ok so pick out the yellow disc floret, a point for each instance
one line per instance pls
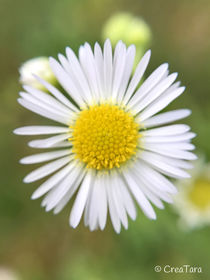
(200, 194)
(104, 136)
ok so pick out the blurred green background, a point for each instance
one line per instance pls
(40, 246)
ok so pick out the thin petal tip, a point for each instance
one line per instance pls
(17, 131)
(26, 180)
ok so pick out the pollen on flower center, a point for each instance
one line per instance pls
(104, 136)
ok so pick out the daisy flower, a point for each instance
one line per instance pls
(110, 151)
(192, 202)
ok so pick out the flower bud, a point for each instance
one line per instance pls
(128, 28)
(41, 68)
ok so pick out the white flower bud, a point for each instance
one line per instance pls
(40, 67)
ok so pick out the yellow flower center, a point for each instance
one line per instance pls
(104, 136)
(200, 194)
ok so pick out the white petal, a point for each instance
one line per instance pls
(46, 170)
(87, 207)
(49, 142)
(87, 210)
(94, 206)
(174, 153)
(169, 139)
(167, 130)
(63, 188)
(170, 146)
(149, 185)
(118, 71)
(130, 56)
(127, 200)
(149, 189)
(71, 192)
(46, 98)
(152, 197)
(55, 92)
(167, 117)
(152, 183)
(148, 84)
(177, 162)
(155, 179)
(117, 50)
(40, 130)
(80, 201)
(78, 72)
(61, 144)
(87, 61)
(95, 75)
(163, 164)
(68, 68)
(75, 78)
(99, 61)
(108, 68)
(155, 196)
(118, 200)
(44, 157)
(45, 106)
(102, 215)
(52, 181)
(140, 69)
(143, 102)
(96, 209)
(163, 196)
(112, 208)
(40, 111)
(66, 81)
(139, 196)
(160, 104)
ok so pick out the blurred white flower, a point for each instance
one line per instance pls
(40, 67)
(192, 202)
(7, 274)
